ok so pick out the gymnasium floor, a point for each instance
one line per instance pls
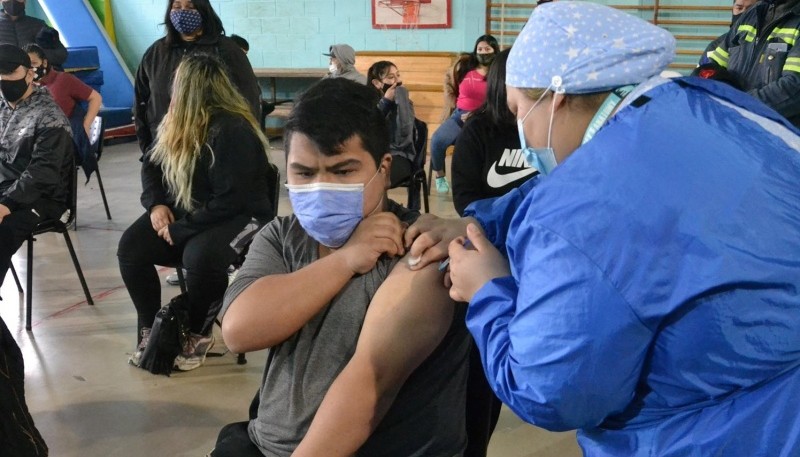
(87, 401)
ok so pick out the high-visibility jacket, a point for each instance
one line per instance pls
(654, 296)
(764, 58)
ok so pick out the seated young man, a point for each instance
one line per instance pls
(366, 356)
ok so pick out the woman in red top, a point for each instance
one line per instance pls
(68, 91)
(470, 81)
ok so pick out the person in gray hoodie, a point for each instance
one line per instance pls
(342, 63)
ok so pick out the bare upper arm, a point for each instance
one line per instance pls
(407, 319)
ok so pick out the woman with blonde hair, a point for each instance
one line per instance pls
(203, 181)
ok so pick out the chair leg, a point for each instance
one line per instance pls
(430, 177)
(78, 268)
(102, 192)
(181, 279)
(426, 190)
(16, 277)
(29, 283)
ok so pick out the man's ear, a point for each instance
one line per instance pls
(385, 168)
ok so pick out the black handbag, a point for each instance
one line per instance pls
(167, 337)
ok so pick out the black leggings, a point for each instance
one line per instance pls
(206, 257)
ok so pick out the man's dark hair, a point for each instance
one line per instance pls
(212, 24)
(334, 110)
(241, 42)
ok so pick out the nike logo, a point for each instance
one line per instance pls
(496, 180)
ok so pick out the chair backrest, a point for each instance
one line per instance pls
(96, 136)
(420, 144)
(275, 179)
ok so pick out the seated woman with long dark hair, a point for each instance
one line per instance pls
(203, 181)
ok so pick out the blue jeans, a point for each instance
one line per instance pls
(444, 137)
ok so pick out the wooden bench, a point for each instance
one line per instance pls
(422, 74)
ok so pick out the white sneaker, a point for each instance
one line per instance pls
(194, 352)
(137, 355)
(172, 279)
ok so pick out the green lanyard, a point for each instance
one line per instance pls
(609, 105)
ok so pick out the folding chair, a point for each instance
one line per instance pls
(56, 226)
(417, 180)
(96, 145)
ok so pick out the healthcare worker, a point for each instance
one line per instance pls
(644, 288)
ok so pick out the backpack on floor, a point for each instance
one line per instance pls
(167, 336)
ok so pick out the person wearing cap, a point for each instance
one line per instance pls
(644, 288)
(36, 157)
(19, 29)
(760, 51)
(342, 63)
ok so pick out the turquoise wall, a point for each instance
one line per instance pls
(295, 33)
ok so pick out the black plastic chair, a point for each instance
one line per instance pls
(96, 144)
(417, 180)
(55, 226)
(275, 175)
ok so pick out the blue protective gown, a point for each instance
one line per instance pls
(654, 301)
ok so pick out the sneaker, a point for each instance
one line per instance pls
(194, 352)
(172, 279)
(137, 356)
(442, 186)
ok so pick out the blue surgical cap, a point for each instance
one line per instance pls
(581, 47)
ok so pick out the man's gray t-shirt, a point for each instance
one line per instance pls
(427, 417)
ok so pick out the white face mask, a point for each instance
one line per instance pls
(333, 68)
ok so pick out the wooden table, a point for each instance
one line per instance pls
(285, 73)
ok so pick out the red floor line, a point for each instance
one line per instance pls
(96, 297)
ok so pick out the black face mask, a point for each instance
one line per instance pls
(41, 71)
(13, 90)
(14, 8)
(735, 18)
(485, 59)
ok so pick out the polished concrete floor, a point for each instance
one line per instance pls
(87, 401)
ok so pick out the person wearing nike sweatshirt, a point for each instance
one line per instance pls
(488, 161)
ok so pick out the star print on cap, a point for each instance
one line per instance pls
(186, 21)
(580, 47)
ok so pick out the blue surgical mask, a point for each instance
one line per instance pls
(186, 22)
(542, 159)
(329, 212)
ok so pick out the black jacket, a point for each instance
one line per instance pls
(153, 85)
(487, 162)
(36, 152)
(24, 31)
(231, 179)
(760, 52)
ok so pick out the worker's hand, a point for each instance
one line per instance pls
(378, 234)
(471, 268)
(429, 238)
(4, 211)
(160, 217)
